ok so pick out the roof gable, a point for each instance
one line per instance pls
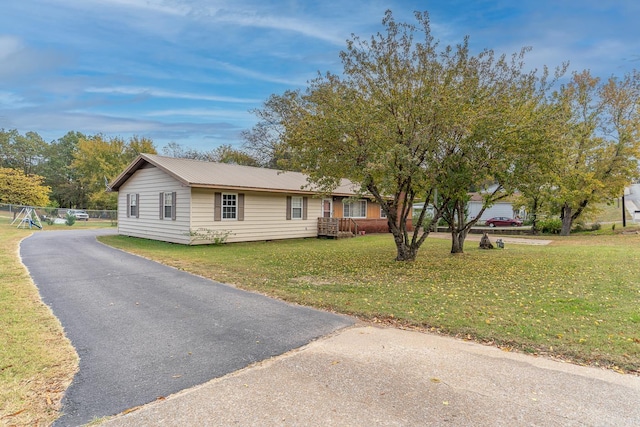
(197, 173)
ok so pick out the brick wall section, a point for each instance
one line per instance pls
(377, 225)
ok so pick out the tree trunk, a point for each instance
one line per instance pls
(567, 220)
(459, 228)
(534, 217)
(457, 241)
(406, 253)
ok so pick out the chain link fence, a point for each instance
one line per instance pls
(52, 214)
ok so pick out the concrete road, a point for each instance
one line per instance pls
(367, 376)
(144, 331)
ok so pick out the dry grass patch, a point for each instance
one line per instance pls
(37, 362)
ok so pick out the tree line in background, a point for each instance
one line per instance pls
(74, 170)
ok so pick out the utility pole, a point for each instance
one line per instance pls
(624, 216)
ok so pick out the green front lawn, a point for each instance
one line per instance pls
(577, 299)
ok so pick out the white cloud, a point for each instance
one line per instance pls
(307, 28)
(157, 6)
(9, 45)
(12, 100)
(162, 93)
(203, 113)
(156, 66)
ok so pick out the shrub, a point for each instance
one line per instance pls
(214, 237)
(70, 220)
(550, 225)
(426, 221)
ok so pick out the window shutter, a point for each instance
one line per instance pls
(137, 205)
(305, 203)
(241, 207)
(217, 207)
(288, 207)
(174, 206)
(128, 205)
(161, 205)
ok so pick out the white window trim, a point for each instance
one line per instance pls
(300, 200)
(132, 203)
(352, 203)
(235, 207)
(165, 205)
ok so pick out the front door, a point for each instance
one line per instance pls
(327, 205)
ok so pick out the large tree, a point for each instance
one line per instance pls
(407, 118)
(18, 188)
(25, 152)
(600, 145)
(98, 160)
(265, 141)
(495, 111)
(59, 174)
(222, 154)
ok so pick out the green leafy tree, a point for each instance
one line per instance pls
(536, 156)
(227, 154)
(222, 154)
(25, 152)
(265, 141)
(98, 160)
(407, 118)
(600, 145)
(59, 173)
(494, 112)
(18, 188)
(7, 140)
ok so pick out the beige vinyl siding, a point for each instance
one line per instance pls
(264, 217)
(148, 183)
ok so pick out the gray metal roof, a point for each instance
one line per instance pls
(196, 173)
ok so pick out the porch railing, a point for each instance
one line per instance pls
(337, 227)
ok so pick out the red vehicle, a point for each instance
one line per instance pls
(503, 221)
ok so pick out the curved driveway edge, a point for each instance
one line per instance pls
(367, 376)
(144, 331)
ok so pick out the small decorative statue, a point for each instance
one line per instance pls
(485, 243)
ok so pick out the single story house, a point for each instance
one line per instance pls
(190, 202)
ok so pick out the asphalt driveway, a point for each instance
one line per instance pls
(144, 330)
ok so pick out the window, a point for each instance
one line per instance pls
(296, 207)
(168, 205)
(229, 206)
(132, 202)
(355, 209)
(383, 214)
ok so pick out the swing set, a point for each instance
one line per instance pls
(27, 218)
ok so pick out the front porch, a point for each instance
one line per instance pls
(337, 228)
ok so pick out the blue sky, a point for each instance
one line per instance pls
(189, 71)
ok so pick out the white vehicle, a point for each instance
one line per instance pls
(79, 214)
